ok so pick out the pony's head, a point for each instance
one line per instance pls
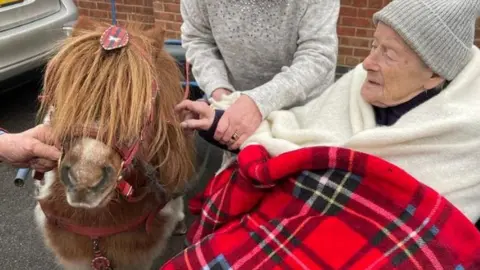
(102, 104)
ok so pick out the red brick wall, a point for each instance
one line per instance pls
(135, 10)
(355, 27)
(167, 14)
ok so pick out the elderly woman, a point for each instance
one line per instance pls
(380, 171)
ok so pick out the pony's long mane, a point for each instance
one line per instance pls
(114, 89)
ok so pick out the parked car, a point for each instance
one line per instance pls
(29, 30)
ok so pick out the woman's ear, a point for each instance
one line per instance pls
(434, 81)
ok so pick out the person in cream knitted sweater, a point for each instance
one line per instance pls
(414, 101)
(278, 53)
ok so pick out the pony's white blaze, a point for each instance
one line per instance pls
(93, 150)
(90, 153)
(86, 172)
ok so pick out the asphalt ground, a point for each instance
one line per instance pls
(21, 246)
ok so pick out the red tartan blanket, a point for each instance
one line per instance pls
(324, 208)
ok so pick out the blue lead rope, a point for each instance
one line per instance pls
(114, 13)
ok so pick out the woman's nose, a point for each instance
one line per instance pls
(370, 63)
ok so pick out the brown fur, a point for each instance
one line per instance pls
(87, 84)
(113, 89)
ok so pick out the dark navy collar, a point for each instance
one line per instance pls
(390, 115)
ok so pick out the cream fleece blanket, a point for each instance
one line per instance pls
(437, 142)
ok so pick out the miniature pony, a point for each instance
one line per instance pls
(115, 198)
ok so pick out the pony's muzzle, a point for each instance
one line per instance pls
(70, 181)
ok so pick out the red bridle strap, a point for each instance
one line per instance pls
(187, 81)
(98, 232)
(125, 188)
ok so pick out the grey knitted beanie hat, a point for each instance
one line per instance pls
(441, 32)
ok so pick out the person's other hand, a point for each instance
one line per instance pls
(238, 122)
(196, 114)
(31, 148)
(218, 93)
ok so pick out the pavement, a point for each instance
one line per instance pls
(21, 246)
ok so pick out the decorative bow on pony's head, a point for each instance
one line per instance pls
(114, 37)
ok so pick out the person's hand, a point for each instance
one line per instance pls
(30, 149)
(196, 114)
(218, 93)
(238, 122)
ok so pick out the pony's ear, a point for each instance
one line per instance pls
(157, 33)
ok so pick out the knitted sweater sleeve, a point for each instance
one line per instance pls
(313, 66)
(200, 47)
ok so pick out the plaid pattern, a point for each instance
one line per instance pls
(324, 208)
(114, 37)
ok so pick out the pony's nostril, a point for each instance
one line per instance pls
(106, 173)
(66, 176)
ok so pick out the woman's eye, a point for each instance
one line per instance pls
(390, 55)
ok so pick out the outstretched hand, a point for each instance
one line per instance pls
(196, 115)
(31, 148)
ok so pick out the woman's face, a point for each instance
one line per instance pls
(395, 73)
